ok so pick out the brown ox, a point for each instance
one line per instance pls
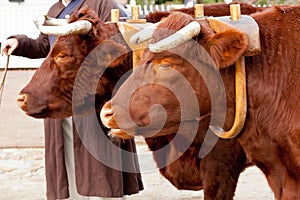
(270, 136)
(49, 94)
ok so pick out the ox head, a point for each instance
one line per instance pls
(167, 73)
(51, 89)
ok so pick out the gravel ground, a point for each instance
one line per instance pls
(22, 177)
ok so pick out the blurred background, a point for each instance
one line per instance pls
(16, 17)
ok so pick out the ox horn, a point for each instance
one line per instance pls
(55, 22)
(178, 38)
(79, 27)
(144, 35)
(241, 103)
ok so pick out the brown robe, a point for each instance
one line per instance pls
(93, 178)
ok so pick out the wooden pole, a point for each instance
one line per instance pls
(199, 11)
(114, 15)
(135, 12)
(135, 15)
(235, 12)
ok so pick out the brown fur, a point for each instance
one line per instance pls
(271, 133)
(221, 9)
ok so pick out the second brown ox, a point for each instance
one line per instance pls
(271, 133)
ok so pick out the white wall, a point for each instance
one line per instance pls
(17, 18)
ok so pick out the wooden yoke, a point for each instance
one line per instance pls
(243, 23)
(249, 26)
(127, 30)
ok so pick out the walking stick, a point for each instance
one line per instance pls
(3, 79)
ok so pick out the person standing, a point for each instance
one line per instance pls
(71, 171)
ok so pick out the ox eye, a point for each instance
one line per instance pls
(165, 72)
(164, 67)
(61, 58)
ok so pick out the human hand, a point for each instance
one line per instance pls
(8, 46)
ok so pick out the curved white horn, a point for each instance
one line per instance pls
(178, 38)
(144, 35)
(55, 22)
(79, 27)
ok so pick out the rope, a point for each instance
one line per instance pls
(3, 79)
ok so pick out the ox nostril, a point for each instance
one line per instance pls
(22, 100)
(106, 115)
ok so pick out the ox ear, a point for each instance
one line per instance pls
(226, 47)
(112, 53)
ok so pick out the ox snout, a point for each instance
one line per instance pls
(22, 101)
(107, 116)
(30, 106)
